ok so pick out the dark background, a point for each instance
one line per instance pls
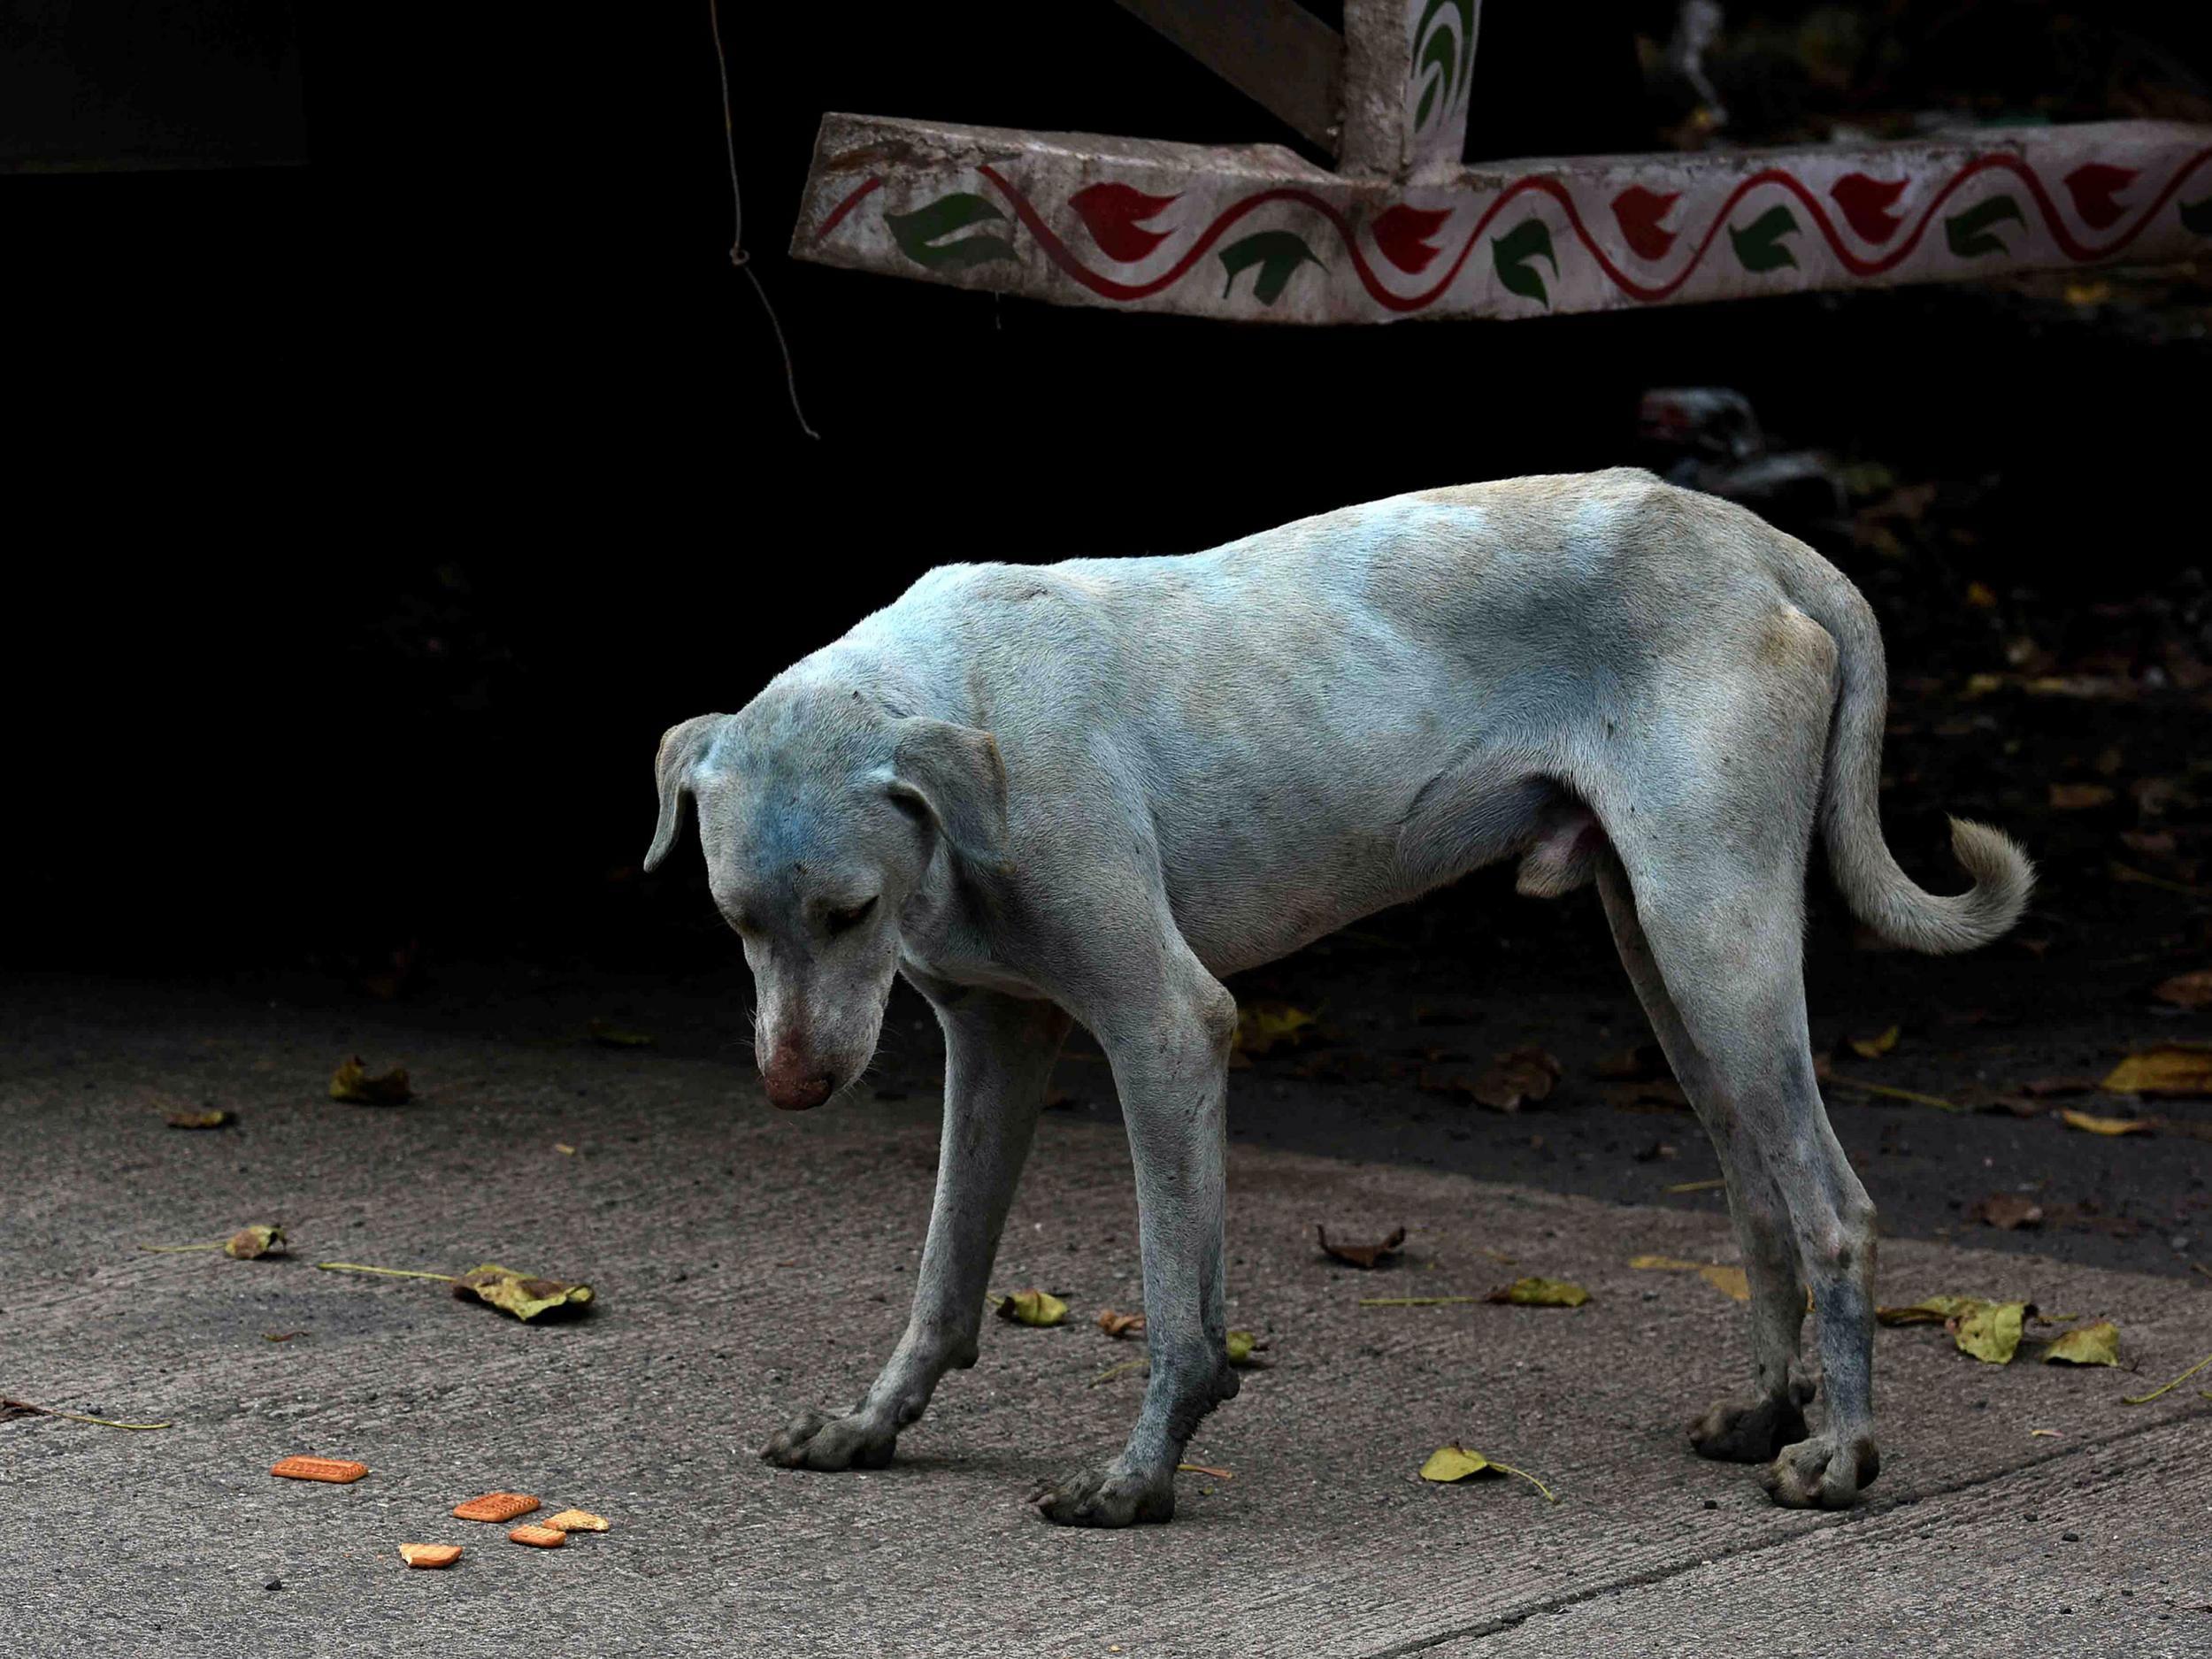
(390, 476)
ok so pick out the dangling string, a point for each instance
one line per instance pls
(739, 257)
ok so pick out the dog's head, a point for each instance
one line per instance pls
(828, 825)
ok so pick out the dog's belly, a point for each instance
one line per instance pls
(1248, 888)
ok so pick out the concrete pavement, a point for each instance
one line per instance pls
(749, 1263)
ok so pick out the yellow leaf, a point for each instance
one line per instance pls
(1242, 1344)
(2171, 1068)
(1541, 1292)
(522, 1294)
(1981, 595)
(1261, 1025)
(1875, 1047)
(352, 1084)
(2097, 1126)
(1663, 1265)
(1454, 1462)
(1730, 1281)
(2096, 1344)
(615, 1037)
(249, 1244)
(1033, 1307)
(202, 1120)
(2187, 990)
(1991, 1334)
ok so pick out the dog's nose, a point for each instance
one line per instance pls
(800, 1093)
(796, 1080)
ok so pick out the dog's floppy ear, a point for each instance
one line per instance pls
(952, 775)
(682, 747)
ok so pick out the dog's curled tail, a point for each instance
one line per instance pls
(1880, 893)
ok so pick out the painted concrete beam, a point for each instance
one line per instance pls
(1257, 234)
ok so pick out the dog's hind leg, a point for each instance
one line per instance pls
(1752, 1429)
(1714, 854)
(999, 1052)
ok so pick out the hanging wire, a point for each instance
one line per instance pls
(739, 257)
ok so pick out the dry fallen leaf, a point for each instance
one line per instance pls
(1454, 1462)
(1116, 1324)
(2094, 1124)
(1664, 1264)
(1991, 1334)
(352, 1084)
(2080, 797)
(615, 1037)
(1646, 1063)
(1516, 1078)
(524, 1296)
(1241, 1346)
(1263, 1025)
(250, 1244)
(1033, 1307)
(2096, 1344)
(2008, 1211)
(202, 1120)
(1362, 1255)
(1875, 1047)
(2172, 1068)
(2187, 990)
(1730, 1281)
(1930, 1310)
(1541, 1293)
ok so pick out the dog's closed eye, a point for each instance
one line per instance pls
(845, 920)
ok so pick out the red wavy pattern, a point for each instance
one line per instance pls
(1113, 288)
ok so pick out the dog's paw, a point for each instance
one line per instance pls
(1816, 1474)
(813, 1440)
(1106, 1497)
(1751, 1431)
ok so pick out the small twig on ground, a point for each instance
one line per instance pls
(1713, 1185)
(75, 1416)
(1890, 1091)
(1412, 1301)
(1206, 1469)
(2144, 1400)
(1112, 1371)
(388, 1273)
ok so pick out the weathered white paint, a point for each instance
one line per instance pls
(1408, 68)
(1076, 219)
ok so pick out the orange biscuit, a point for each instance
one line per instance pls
(538, 1536)
(576, 1521)
(495, 1506)
(430, 1554)
(338, 1471)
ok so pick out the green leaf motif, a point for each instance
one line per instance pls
(1515, 255)
(920, 235)
(1277, 253)
(2197, 217)
(1759, 244)
(1971, 233)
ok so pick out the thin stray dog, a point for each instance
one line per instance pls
(1088, 791)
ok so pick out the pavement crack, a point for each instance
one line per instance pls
(1864, 1515)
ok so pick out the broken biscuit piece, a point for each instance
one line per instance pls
(430, 1554)
(538, 1536)
(339, 1471)
(495, 1506)
(576, 1521)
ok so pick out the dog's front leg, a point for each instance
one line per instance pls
(1171, 1066)
(999, 1052)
